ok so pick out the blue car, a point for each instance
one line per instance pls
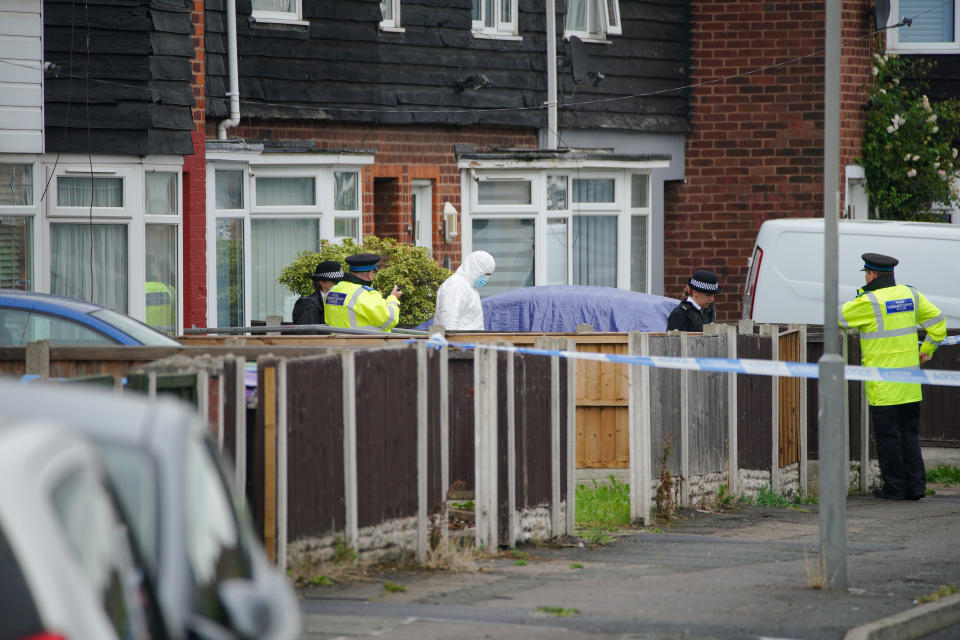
(27, 316)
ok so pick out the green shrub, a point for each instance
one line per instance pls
(410, 267)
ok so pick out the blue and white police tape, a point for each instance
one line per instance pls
(950, 340)
(731, 365)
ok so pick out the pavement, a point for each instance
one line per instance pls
(745, 573)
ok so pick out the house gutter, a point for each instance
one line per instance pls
(553, 133)
(232, 64)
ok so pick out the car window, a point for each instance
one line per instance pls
(97, 539)
(135, 329)
(135, 477)
(19, 327)
(18, 613)
(214, 547)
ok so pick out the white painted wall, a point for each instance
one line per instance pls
(21, 76)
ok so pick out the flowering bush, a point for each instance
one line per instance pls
(908, 160)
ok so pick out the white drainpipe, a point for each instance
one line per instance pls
(553, 127)
(232, 64)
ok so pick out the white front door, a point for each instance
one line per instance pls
(423, 214)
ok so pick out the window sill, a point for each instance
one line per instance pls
(489, 35)
(288, 21)
(586, 37)
(949, 49)
(391, 29)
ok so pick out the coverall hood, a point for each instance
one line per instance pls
(476, 264)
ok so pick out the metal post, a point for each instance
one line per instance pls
(833, 486)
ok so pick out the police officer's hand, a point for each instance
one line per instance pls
(396, 292)
(925, 357)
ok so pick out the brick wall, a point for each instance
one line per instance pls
(194, 191)
(756, 147)
(403, 154)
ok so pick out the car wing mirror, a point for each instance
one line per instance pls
(247, 609)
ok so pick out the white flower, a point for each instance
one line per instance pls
(876, 56)
(896, 81)
(936, 165)
(926, 103)
(906, 158)
(915, 158)
(941, 172)
(932, 118)
(954, 151)
(935, 129)
(890, 129)
(874, 71)
(911, 173)
(883, 91)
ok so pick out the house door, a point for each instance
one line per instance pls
(422, 231)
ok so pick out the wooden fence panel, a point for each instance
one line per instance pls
(754, 407)
(436, 493)
(386, 435)
(789, 401)
(814, 353)
(315, 493)
(602, 409)
(532, 375)
(939, 425)
(460, 377)
(231, 371)
(665, 407)
(707, 407)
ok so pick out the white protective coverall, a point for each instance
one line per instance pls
(458, 302)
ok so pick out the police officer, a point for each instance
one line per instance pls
(309, 309)
(353, 303)
(887, 315)
(697, 310)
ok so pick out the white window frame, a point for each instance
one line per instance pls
(132, 215)
(281, 17)
(31, 211)
(609, 21)
(499, 28)
(251, 164)
(621, 172)
(393, 22)
(893, 35)
(646, 213)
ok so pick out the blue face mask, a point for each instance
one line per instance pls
(482, 280)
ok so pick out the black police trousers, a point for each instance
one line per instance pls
(895, 428)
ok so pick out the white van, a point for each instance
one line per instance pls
(785, 277)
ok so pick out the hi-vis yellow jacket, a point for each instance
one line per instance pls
(357, 306)
(888, 318)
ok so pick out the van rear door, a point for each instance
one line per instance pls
(750, 288)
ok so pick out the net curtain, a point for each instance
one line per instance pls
(89, 262)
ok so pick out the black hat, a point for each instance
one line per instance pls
(328, 270)
(878, 262)
(363, 261)
(704, 280)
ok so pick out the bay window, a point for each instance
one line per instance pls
(264, 211)
(107, 229)
(549, 222)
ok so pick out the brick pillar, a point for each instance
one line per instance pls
(195, 191)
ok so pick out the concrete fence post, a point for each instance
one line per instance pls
(349, 390)
(733, 433)
(485, 443)
(422, 462)
(639, 430)
(444, 422)
(512, 529)
(38, 359)
(240, 428)
(684, 424)
(571, 426)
